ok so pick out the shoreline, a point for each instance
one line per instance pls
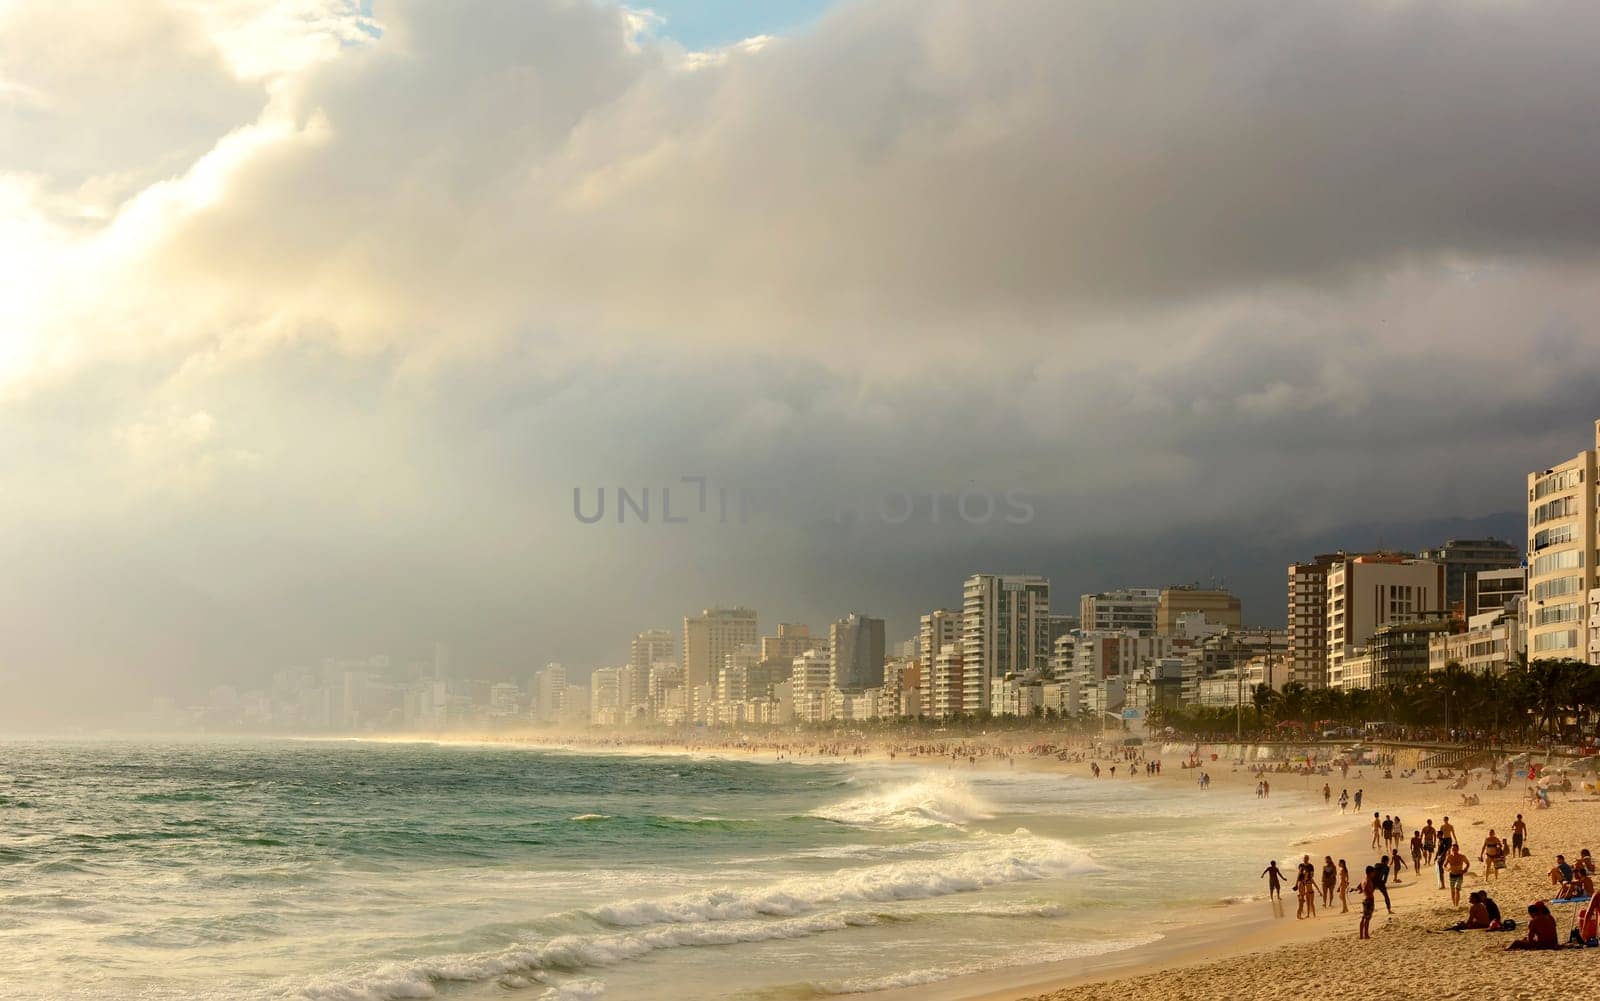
(1247, 950)
(1193, 935)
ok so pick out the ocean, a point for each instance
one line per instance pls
(367, 871)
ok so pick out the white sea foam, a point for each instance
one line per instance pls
(567, 953)
(1009, 859)
(933, 800)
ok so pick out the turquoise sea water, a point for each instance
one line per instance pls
(346, 870)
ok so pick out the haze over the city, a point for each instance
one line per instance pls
(312, 322)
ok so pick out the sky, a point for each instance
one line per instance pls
(315, 315)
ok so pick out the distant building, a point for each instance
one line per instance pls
(1128, 608)
(651, 646)
(1463, 558)
(1562, 552)
(941, 630)
(948, 688)
(856, 645)
(1308, 620)
(1218, 606)
(792, 640)
(1493, 590)
(809, 685)
(708, 638)
(1494, 641)
(550, 693)
(1005, 621)
(1366, 593)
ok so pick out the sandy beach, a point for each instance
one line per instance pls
(1259, 952)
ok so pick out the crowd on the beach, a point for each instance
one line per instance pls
(1440, 847)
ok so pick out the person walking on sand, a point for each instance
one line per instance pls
(1368, 888)
(1380, 874)
(1377, 829)
(1344, 888)
(1358, 799)
(1458, 864)
(1327, 793)
(1395, 864)
(1274, 880)
(1492, 855)
(1519, 836)
(1416, 853)
(1388, 831)
(1330, 879)
(1428, 837)
(1344, 799)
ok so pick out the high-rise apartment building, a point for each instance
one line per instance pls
(810, 684)
(1005, 630)
(650, 646)
(1127, 608)
(1368, 592)
(948, 687)
(1562, 551)
(1218, 606)
(709, 637)
(550, 693)
(1463, 558)
(941, 630)
(1308, 620)
(857, 647)
(740, 677)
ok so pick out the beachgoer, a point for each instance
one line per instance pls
(1458, 864)
(1368, 888)
(1274, 880)
(1542, 933)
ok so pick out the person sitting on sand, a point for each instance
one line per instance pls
(1542, 932)
(1561, 872)
(1477, 914)
(1580, 885)
(1274, 880)
(1493, 909)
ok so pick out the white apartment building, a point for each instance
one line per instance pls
(941, 630)
(1562, 551)
(809, 684)
(948, 688)
(605, 696)
(1005, 630)
(739, 665)
(1371, 591)
(1491, 644)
